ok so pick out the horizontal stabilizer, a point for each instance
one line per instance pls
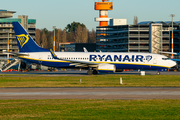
(4, 58)
(17, 54)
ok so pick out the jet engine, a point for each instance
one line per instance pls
(106, 68)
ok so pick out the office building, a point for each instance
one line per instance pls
(77, 47)
(144, 37)
(7, 35)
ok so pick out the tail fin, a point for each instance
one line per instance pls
(24, 40)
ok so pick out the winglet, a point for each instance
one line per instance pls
(53, 54)
(85, 50)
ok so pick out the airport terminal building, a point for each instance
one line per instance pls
(144, 37)
(7, 31)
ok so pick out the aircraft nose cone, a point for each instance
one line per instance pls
(173, 63)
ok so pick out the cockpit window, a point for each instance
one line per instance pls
(164, 58)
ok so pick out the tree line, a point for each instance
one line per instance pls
(74, 32)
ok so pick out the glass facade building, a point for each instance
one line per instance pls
(147, 36)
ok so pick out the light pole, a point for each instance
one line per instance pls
(8, 48)
(172, 43)
(54, 27)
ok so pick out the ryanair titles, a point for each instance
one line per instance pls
(120, 58)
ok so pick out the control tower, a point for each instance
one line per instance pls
(103, 8)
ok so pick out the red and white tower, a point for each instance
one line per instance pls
(103, 8)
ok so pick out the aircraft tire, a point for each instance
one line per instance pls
(89, 72)
(95, 72)
(158, 73)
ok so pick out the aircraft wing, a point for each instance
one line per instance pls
(169, 53)
(75, 63)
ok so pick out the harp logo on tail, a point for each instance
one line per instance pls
(23, 39)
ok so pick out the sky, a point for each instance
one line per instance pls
(60, 13)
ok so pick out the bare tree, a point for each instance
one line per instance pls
(78, 34)
(38, 37)
(44, 40)
(58, 38)
(92, 36)
(64, 36)
(135, 22)
(84, 35)
(59, 35)
(81, 34)
(70, 37)
(50, 38)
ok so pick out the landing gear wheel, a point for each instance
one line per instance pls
(158, 73)
(95, 72)
(89, 72)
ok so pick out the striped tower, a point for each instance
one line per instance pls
(54, 27)
(172, 44)
(103, 8)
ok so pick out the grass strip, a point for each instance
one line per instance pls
(91, 81)
(90, 109)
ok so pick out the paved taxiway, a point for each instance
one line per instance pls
(129, 93)
(84, 73)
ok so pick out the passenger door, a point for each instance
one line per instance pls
(40, 59)
(154, 60)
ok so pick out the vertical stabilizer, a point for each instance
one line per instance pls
(24, 40)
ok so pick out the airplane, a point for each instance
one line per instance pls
(94, 62)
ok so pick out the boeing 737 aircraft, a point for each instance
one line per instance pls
(93, 61)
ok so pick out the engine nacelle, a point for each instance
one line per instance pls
(106, 68)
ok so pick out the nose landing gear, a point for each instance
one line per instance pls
(158, 73)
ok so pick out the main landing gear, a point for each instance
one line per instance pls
(90, 72)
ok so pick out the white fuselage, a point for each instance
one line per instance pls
(120, 60)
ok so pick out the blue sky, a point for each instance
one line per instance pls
(59, 13)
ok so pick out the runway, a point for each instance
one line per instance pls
(124, 93)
